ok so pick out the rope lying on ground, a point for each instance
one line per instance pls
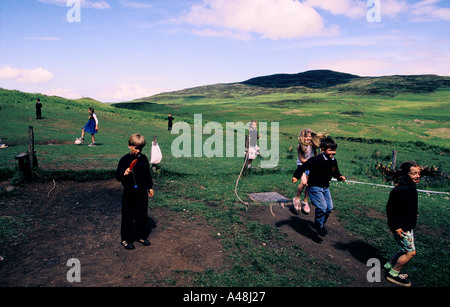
(54, 186)
(237, 181)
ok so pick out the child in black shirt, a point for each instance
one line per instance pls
(321, 168)
(401, 211)
(133, 172)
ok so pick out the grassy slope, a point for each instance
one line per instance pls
(414, 122)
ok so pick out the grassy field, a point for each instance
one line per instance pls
(368, 118)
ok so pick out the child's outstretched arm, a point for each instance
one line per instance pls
(337, 174)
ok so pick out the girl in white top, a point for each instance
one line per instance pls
(91, 126)
(308, 143)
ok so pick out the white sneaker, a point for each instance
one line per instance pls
(305, 207)
(296, 202)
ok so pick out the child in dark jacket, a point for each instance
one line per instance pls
(321, 168)
(133, 172)
(401, 211)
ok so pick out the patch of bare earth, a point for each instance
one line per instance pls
(82, 220)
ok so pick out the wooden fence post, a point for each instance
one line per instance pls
(31, 148)
(394, 160)
(154, 142)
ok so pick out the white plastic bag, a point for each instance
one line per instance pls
(156, 154)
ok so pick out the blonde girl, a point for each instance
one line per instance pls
(308, 143)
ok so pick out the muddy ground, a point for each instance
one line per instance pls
(82, 220)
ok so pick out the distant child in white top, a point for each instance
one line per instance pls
(308, 143)
(253, 148)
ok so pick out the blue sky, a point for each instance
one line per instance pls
(119, 50)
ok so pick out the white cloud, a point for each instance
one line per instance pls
(426, 3)
(428, 10)
(290, 19)
(348, 8)
(414, 60)
(99, 4)
(135, 5)
(357, 9)
(43, 38)
(124, 92)
(29, 76)
(222, 33)
(392, 8)
(66, 93)
(272, 19)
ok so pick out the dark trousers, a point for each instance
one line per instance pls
(38, 114)
(134, 215)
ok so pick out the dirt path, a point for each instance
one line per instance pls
(338, 247)
(82, 220)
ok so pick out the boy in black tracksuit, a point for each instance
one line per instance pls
(321, 168)
(137, 182)
(401, 211)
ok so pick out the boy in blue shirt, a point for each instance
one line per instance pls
(321, 168)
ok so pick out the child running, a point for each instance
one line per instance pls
(133, 172)
(401, 211)
(308, 143)
(91, 126)
(322, 168)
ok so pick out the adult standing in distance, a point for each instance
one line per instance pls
(38, 109)
(170, 122)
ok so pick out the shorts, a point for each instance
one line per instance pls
(405, 241)
(305, 172)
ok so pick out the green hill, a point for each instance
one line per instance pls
(347, 83)
(392, 108)
(369, 117)
(311, 79)
(310, 82)
(62, 122)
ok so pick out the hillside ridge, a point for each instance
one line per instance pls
(313, 79)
